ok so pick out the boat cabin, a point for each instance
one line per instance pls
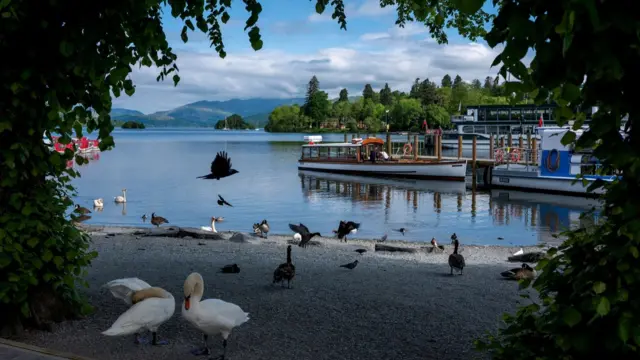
(355, 151)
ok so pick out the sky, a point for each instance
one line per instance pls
(298, 43)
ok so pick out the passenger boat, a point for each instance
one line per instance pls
(551, 168)
(359, 157)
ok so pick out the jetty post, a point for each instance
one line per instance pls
(502, 141)
(439, 146)
(491, 144)
(345, 137)
(459, 146)
(473, 159)
(415, 147)
(510, 140)
(389, 144)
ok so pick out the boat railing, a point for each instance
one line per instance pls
(524, 158)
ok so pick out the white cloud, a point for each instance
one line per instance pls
(372, 8)
(393, 57)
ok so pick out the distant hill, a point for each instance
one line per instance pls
(207, 113)
(258, 120)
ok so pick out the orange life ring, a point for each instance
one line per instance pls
(515, 155)
(499, 155)
(407, 149)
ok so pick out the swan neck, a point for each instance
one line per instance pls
(213, 225)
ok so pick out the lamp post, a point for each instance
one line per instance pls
(386, 112)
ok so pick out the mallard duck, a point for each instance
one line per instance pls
(456, 260)
(345, 228)
(523, 272)
(285, 271)
(435, 245)
(261, 229)
(158, 220)
(304, 233)
(81, 210)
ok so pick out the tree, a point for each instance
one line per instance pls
(415, 89)
(428, 93)
(488, 83)
(367, 93)
(405, 113)
(234, 121)
(132, 125)
(476, 84)
(385, 95)
(457, 82)
(318, 107)
(342, 111)
(312, 88)
(437, 116)
(344, 95)
(285, 119)
(446, 81)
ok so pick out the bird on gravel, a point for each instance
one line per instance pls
(261, 229)
(523, 272)
(222, 201)
(82, 210)
(79, 219)
(345, 228)
(383, 238)
(220, 167)
(361, 251)
(158, 220)
(350, 266)
(304, 233)
(402, 230)
(435, 245)
(285, 271)
(456, 260)
(230, 269)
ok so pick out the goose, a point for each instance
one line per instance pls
(79, 219)
(350, 266)
(158, 220)
(98, 202)
(285, 271)
(345, 228)
(121, 199)
(261, 228)
(523, 272)
(435, 245)
(305, 235)
(211, 316)
(220, 167)
(150, 308)
(211, 228)
(81, 210)
(456, 260)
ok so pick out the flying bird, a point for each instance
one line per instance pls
(383, 238)
(304, 233)
(347, 227)
(350, 266)
(220, 167)
(402, 230)
(222, 201)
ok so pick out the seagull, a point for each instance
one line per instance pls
(345, 228)
(220, 167)
(304, 233)
(222, 201)
(402, 230)
(350, 266)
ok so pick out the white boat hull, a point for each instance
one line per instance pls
(449, 170)
(546, 184)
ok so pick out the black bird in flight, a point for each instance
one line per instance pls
(402, 230)
(383, 238)
(222, 201)
(347, 227)
(350, 266)
(304, 234)
(220, 167)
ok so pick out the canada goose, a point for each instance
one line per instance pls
(261, 228)
(79, 219)
(98, 202)
(350, 266)
(158, 220)
(211, 316)
(523, 272)
(82, 210)
(220, 167)
(121, 199)
(456, 260)
(347, 227)
(304, 233)
(222, 201)
(285, 271)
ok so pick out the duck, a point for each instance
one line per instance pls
(211, 228)
(121, 198)
(98, 202)
(285, 271)
(150, 308)
(456, 260)
(345, 228)
(158, 220)
(81, 210)
(210, 316)
(304, 232)
(435, 245)
(220, 167)
(523, 272)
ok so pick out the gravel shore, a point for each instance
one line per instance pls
(392, 306)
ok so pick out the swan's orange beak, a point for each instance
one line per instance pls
(187, 303)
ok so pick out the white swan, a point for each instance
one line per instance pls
(98, 202)
(152, 306)
(211, 228)
(297, 237)
(211, 316)
(121, 199)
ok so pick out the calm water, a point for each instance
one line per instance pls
(158, 167)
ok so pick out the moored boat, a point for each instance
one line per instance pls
(367, 158)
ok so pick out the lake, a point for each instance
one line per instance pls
(159, 166)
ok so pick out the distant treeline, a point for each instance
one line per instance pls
(132, 125)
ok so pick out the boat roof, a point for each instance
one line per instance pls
(333, 145)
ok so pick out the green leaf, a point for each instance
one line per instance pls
(66, 48)
(571, 316)
(14, 278)
(469, 7)
(47, 256)
(5, 260)
(24, 309)
(32, 242)
(58, 260)
(599, 287)
(624, 329)
(634, 251)
(603, 307)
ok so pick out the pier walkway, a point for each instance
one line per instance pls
(13, 350)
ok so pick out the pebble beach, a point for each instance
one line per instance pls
(391, 306)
